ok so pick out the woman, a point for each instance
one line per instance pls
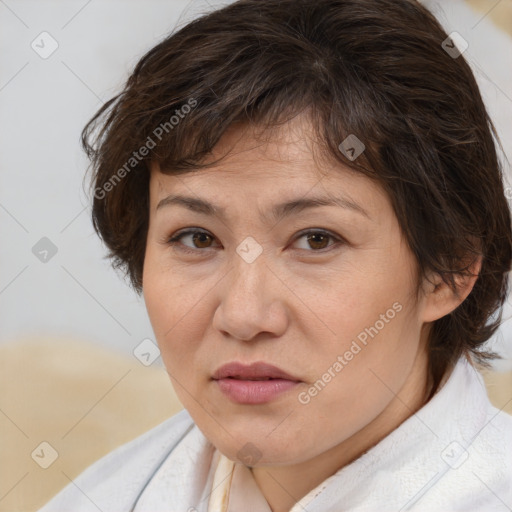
(308, 196)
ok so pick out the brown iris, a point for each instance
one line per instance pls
(317, 238)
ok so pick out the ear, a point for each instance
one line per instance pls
(440, 298)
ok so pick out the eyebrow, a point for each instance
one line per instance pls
(278, 212)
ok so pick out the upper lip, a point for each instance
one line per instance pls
(259, 370)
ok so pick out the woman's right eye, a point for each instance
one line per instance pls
(198, 239)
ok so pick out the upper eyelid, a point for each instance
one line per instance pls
(180, 234)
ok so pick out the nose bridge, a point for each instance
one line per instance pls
(247, 304)
(249, 275)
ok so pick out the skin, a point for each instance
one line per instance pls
(298, 305)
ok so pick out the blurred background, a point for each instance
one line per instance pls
(77, 353)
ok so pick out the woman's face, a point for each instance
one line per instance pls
(325, 293)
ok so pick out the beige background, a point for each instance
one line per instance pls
(500, 12)
(81, 399)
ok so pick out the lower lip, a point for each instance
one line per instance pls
(254, 391)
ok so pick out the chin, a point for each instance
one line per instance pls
(260, 450)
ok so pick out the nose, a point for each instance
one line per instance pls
(252, 300)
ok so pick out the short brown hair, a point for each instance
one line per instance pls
(377, 69)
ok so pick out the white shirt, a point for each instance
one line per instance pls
(454, 454)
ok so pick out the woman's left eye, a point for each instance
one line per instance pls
(315, 239)
(319, 239)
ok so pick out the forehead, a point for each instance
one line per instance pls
(253, 164)
(285, 149)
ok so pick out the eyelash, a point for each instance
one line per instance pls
(173, 241)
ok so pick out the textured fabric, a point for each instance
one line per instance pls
(454, 454)
(244, 492)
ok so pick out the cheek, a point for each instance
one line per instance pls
(356, 381)
(168, 308)
(364, 304)
(174, 332)
(373, 337)
(167, 295)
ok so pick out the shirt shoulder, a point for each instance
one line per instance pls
(475, 467)
(118, 478)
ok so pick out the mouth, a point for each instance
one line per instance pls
(253, 372)
(239, 377)
(253, 384)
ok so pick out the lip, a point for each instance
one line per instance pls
(258, 370)
(256, 383)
